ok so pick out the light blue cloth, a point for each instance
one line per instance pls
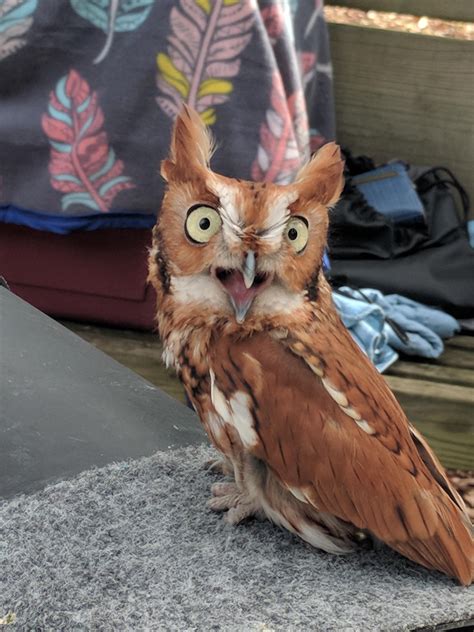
(424, 327)
(366, 324)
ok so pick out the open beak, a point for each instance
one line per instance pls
(243, 285)
(241, 309)
(249, 269)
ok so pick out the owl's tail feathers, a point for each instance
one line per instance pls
(288, 508)
(450, 547)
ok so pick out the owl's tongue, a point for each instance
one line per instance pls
(234, 284)
(240, 296)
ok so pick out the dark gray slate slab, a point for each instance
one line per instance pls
(66, 406)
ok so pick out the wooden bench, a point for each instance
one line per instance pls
(438, 396)
(406, 95)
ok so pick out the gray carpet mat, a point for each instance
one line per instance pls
(132, 546)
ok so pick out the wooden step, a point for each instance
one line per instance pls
(437, 396)
(433, 373)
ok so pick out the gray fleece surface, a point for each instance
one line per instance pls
(132, 546)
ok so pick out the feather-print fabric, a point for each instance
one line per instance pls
(243, 64)
(113, 16)
(16, 18)
(203, 54)
(284, 134)
(315, 67)
(278, 156)
(82, 164)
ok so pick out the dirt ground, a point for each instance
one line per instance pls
(400, 22)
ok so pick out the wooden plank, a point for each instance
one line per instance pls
(461, 342)
(435, 391)
(405, 95)
(432, 373)
(110, 345)
(453, 453)
(460, 10)
(442, 413)
(441, 410)
(110, 335)
(454, 357)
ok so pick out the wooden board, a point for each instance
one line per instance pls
(443, 413)
(461, 342)
(403, 95)
(434, 373)
(460, 10)
(438, 396)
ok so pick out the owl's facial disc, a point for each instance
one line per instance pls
(242, 286)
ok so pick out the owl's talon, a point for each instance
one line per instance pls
(219, 466)
(237, 505)
(224, 489)
(223, 503)
(241, 511)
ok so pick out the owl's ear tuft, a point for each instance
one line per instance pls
(166, 169)
(191, 148)
(322, 178)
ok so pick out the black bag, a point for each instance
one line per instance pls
(431, 262)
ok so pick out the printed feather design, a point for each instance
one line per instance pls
(299, 117)
(307, 64)
(113, 16)
(279, 155)
(15, 21)
(274, 21)
(82, 164)
(206, 40)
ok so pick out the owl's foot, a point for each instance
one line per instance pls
(236, 504)
(219, 465)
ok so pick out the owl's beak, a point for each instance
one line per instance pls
(241, 309)
(242, 285)
(248, 271)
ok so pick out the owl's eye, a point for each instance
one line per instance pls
(297, 233)
(202, 223)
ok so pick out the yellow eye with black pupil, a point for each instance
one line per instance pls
(202, 223)
(297, 233)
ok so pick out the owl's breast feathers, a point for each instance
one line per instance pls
(312, 407)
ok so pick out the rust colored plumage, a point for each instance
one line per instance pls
(312, 434)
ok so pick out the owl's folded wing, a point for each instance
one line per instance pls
(335, 436)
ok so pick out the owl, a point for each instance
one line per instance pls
(311, 436)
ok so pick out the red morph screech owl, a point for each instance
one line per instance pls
(309, 430)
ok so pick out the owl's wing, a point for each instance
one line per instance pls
(333, 433)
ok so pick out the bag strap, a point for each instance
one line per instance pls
(442, 180)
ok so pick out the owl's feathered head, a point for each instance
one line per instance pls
(237, 248)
